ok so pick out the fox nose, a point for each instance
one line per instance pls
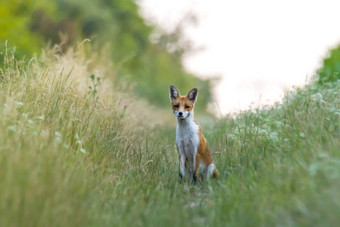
(180, 114)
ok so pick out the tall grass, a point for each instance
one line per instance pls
(283, 163)
(72, 155)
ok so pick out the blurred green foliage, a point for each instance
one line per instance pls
(150, 65)
(330, 70)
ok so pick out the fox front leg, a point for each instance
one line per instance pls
(182, 166)
(196, 164)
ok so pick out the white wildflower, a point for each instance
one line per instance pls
(12, 128)
(273, 136)
(323, 155)
(57, 134)
(19, 103)
(40, 117)
(317, 97)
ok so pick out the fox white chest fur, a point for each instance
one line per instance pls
(187, 138)
(194, 152)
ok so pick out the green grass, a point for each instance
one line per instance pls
(70, 156)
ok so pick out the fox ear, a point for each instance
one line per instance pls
(192, 94)
(173, 93)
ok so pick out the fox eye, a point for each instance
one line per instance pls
(186, 107)
(176, 106)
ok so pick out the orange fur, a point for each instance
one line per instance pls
(204, 153)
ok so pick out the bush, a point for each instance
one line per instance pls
(330, 70)
(114, 26)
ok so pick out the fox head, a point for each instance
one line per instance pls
(183, 106)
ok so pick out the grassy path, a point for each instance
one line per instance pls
(73, 156)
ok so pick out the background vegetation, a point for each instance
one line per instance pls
(114, 26)
(330, 70)
(78, 148)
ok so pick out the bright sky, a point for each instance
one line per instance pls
(259, 48)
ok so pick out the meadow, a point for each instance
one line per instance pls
(77, 148)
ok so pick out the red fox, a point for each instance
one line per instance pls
(193, 148)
